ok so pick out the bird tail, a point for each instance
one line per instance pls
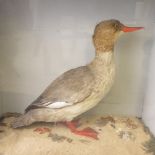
(9, 114)
(21, 121)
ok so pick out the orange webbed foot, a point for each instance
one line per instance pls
(88, 132)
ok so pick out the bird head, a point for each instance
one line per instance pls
(107, 32)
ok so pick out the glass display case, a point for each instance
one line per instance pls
(39, 40)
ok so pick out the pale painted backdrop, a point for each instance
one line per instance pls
(40, 39)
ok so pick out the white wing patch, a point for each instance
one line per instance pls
(57, 105)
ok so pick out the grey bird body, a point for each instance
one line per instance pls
(80, 89)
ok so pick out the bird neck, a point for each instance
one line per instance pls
(104, 48)
(103, 58)
(102, 61)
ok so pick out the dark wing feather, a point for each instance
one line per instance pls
(71, 87)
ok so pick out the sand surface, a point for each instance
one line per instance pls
(117, 136)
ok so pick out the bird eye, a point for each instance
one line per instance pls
(116, 26)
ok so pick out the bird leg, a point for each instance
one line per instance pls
(88, 132)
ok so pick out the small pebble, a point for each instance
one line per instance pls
(126, 135)
(59, 138)
(130, 124)
(2, 124)
(56, 137)
(84, 141)
(113, 126)
(69, 140)
(103, 121)
(149, 146)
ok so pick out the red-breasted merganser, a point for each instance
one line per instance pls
(80, 89)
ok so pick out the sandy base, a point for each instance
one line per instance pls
(117, 136)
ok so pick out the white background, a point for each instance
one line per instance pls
(40, 39)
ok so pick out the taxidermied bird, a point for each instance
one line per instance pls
(80, 89)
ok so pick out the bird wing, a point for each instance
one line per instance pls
(70, 88)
